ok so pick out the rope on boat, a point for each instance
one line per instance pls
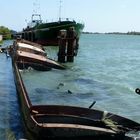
(114, 125)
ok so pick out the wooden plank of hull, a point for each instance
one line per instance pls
(30, 65)
(28, 46)
(30, 43)
(37, 60)
(23, 98)
(73, 130)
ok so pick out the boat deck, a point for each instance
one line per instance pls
(23, 45)
(31, 55)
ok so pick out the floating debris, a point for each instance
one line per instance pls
(70, 92)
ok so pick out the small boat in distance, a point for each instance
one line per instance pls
(28, 54)
(47, 33)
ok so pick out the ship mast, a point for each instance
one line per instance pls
(36, 7)
(60, 6)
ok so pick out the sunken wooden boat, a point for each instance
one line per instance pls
(58, 121)
(28, 54)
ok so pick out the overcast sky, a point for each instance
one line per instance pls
(97, 15)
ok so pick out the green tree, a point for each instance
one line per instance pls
(5, 32)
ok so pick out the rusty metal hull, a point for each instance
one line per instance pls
(53, 121)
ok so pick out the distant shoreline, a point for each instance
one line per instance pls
(118, 33)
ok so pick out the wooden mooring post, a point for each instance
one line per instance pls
(71, 44)
(68, 45)
(62, 46)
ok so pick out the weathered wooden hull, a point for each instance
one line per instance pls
(28, 54)
(52, 121)
(26, 62)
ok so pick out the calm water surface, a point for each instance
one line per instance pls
(10, 123)
(106, 70)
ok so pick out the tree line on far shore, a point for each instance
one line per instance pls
(6, 33)
(119, 33)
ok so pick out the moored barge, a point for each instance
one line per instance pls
(47, 33)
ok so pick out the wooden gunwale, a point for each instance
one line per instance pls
(26, 97)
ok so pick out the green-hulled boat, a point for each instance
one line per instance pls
(47, 33)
